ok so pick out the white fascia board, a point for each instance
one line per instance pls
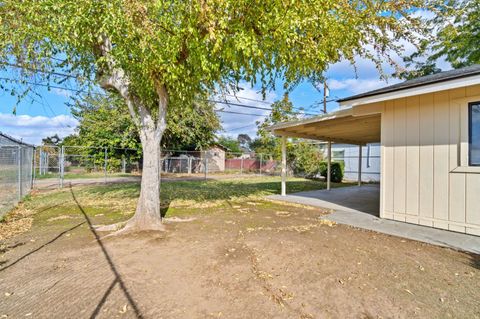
(424, 89)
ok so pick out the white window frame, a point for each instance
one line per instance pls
(464, 141)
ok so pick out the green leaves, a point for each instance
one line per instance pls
(453, 36)
(192, 47)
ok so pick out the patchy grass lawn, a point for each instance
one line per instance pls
(227, 253)
(80, 175)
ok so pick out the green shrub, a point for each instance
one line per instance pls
(304, 159)
(336, 171)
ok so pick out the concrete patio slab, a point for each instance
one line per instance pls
(363, 199)
(354, 206)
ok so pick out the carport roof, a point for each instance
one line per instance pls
(340, 127)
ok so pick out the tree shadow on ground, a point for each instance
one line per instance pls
(474, 260)
(118, 278)
(41, 246)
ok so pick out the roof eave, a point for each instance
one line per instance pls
(417, 90)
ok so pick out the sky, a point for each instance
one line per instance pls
(49, 113)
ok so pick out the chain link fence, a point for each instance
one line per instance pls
(54, 165)
(16, 163)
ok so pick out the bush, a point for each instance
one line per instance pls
(336, 171)
(304, 159)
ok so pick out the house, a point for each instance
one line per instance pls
(429, 134)
(348, 155)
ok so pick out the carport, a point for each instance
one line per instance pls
(349, 126)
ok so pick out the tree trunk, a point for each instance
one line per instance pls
(147, 215)
(151, 124)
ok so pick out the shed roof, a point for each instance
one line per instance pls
(420, 81)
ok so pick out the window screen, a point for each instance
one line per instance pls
(474, 134)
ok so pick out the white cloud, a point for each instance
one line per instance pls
(61, 92)
(32, 129)
(356, 86)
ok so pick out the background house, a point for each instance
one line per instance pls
(348, 154)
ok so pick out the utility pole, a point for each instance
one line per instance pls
(325, 95)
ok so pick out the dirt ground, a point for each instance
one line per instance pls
(238, 259)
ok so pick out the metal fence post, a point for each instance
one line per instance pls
(34, 174)
(260, 167)
(105, 165)
(206, 164)
(19, 172)
(241, 165)
(62, 165)
(32, 165)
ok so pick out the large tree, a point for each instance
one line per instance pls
(160, 55)
(454, 36)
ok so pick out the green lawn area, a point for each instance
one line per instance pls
(116, 202)
(68, 175)
(177, 198)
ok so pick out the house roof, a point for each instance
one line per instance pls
(7, 140)
(420, 81)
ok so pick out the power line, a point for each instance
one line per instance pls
(41, 71)
(239, 128)
(42, 84)
(254, 107)
(239, 113)
(241, 105)
(248, 99)
(213, 101)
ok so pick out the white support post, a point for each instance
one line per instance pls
(360, 165)
(284, 166)
(241, 165)
(329, 164)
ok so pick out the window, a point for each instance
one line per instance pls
(338, 156)
(474, 134)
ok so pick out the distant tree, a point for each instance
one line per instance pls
(454, 36)
(266, 143)
(53, 140)
(244, 140)
(231, 144)
(188, 130)
(302, 157)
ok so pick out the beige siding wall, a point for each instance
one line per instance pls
(424, 147)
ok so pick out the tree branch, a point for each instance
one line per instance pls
(116, 79)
